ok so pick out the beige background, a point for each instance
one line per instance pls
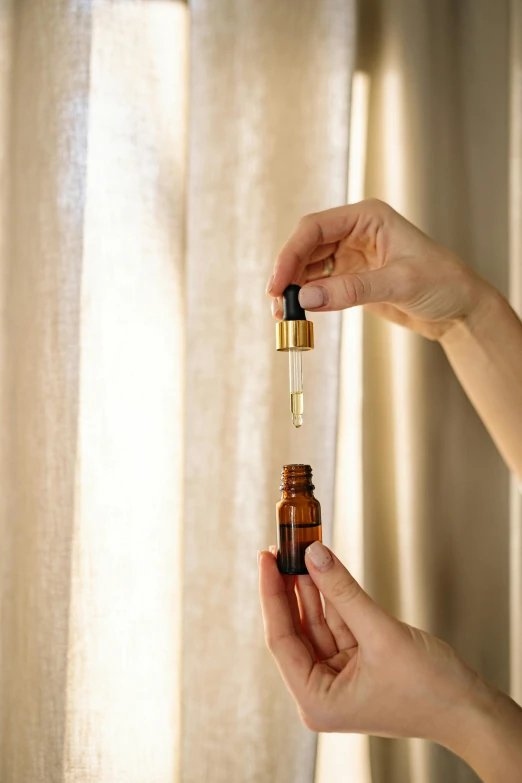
(153, 157)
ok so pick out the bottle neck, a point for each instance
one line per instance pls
(296, 480)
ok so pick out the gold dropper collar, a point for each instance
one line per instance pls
(297, 335)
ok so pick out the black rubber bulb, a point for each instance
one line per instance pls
(292, 310)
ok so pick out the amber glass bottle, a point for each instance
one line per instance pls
(298, 516)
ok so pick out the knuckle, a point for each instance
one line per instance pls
(270, 644)
(377, 206)
(348, 292)
(344, 591)
(306, 220)
(316, 621)
(310, 223)
(354, 289)
(363, 288)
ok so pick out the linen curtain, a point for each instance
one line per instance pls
(94, 102)
(153, 157)
(439, 541)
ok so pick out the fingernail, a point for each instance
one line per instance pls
(276, 308)
(313, 296)
(273, 550)
(319, 555)
(269, 284)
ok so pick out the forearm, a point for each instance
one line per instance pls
(485, 352)
(490, 738)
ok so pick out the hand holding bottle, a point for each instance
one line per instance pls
(380, 260)
(354, 668)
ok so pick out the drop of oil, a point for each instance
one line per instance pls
(297, 419)
(297, 407)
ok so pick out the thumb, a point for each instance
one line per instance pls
(337, 584)
(341, 291)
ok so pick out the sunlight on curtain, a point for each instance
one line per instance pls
(47, 99)
(99, 528)
(435, 490)
(124, 663)
(93, 134)
(403, 345)
(268, 143)
(343, 757)
(404, 356)
(6, 21)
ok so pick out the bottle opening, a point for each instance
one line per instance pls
(296, 477)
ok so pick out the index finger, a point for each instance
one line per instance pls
(286, 645)
(317, 229)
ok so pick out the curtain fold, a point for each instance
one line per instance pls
(92, 390)
(145, 190)
(436, 497)
(515, 290)
(44, 205)
(268, 143)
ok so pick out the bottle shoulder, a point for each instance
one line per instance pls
(299, 500)
(299, 510)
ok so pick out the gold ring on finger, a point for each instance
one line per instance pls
(329, 266)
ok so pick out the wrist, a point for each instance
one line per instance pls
(483, 303)
(475, 715)
(489, 735)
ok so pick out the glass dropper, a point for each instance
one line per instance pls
(294, 334)
(295, 365)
